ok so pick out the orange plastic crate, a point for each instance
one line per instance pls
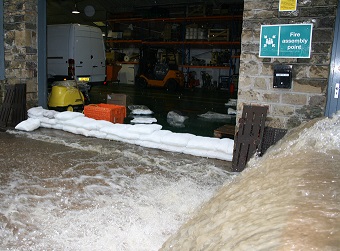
(109, 112)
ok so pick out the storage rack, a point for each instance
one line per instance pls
(185, 46)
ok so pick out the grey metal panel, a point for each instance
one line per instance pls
(333, 104)
(42, 72)
(2, 44)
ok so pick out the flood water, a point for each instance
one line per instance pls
(287, 200)
(61, 191)
(189, 103)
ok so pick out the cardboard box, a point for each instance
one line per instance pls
(116, 99)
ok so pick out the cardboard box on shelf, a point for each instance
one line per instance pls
(117, 99)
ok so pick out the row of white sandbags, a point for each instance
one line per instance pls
(149, 135)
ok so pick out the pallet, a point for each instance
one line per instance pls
(249, 136)
(226, 131)
(13, 109)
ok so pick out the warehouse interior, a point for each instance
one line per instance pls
(200, 39)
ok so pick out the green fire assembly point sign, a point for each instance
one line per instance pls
(286, 41)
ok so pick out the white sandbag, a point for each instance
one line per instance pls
(112, 137)
(142, 112)
(232, 111)
(70, 129)
(128, 135)
(154, 137)
(141, 120)
(35, 112)
(45, 120)
(68, 115)
(148, 144)
(120, 130)
(28, 125)
(144, 129)
(114, 129)
(45, 125)
(83, 122)
(176, 119)
(117, 138)
(177, 139)
(225, 146)
(140, 109)
(97, 134)
(57, 126)
(208, 154)
(102, 123)
(171, 148)
(83, 131)
(49, 113)
(203, 143)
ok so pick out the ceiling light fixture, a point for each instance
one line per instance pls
(75, 11)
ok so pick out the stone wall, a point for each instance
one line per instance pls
(20, 35)
(307, 97)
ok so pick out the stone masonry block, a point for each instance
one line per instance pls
(261, 83)
(266, 70)
(251, 68)
(276, 122)
(294, 99)
(248, 35)
(322, 35)
(250, 95)
(317, 100)
(270, 97)
(315, 11)
(323, 2)
(300, 71)
(23, 38)
(316, 59)
(318, 71)
(265, 14)
(245, 82)
(293, 122)
(280, 110)
(310, 112)
(309, 85)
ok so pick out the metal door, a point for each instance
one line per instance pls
(333, 96)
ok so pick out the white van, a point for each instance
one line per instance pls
(75, 50)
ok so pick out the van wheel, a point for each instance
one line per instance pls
(70, 108)
(171, 85)
(141, 83)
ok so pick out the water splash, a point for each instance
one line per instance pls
(286, 200)
(65, 192)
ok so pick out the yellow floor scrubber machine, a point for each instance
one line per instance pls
(68, 96)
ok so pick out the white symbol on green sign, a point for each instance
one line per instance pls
(286, 41)
(269, 41)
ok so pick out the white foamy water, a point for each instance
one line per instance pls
(74, 194)
(286, 200)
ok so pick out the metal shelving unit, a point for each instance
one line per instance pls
(185, 46)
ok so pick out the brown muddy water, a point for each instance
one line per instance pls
(61, 191)
(287, 200)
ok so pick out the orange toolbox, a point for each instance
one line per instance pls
(109, 112)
